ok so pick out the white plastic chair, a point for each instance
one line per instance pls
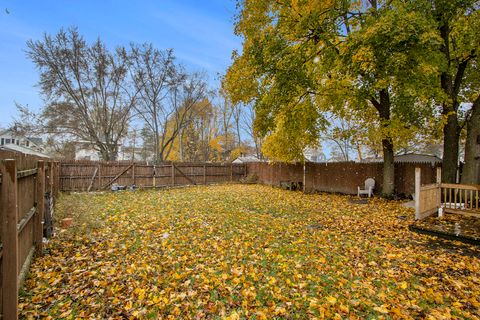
(369, 186)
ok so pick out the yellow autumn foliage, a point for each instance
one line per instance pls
(246, 251)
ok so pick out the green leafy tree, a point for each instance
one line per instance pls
(457, 23)
(302, 59)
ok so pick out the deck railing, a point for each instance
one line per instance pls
(460, 198)
(451, 198)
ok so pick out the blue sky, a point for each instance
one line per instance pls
(200, 32)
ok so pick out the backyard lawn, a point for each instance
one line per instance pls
(247, 251)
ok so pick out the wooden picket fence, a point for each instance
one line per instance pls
(86, 175)
(26, 181)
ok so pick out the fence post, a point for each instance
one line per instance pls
(439, 190)
(9, 208)
(418, 182)
(204, 174)
(57, 178)
(40, 207)
(133, 174)
(153, 178)
(231, 172)
(52, 175)
(100, 176)
(173, 175)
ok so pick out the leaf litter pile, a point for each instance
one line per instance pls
(247, 251)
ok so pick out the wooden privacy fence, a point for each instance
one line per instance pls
(451, 198)
(25, 183)
(341, 177)
(97, 175)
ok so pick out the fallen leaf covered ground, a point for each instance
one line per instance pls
(247, 251)
(452, 224)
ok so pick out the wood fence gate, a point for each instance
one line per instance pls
(24, 182)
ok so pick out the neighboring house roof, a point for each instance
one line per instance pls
(410, 158)
(11, 133)
(244, 159)
(22, 149)
(2, 132)
(37, 141)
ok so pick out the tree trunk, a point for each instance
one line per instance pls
(450, 85)
(471, 169)
(388, 168)
(180, 142)
(104, 155)
(451, 135)
(387, 146)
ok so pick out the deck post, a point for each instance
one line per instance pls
(439, 189)
(9, 207)
(418, 175)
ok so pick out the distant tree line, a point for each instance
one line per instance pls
(96, 95)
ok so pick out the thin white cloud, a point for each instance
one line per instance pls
(215, 36)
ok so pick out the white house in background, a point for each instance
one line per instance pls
(21, 149)
(130, 153)
(84, 150)
(314, 154)
(10, 137)
(247, 158)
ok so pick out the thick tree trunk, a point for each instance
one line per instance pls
(104, 155)
(451, 135)
(471, 169)
(388, 168)
(387, 145)
(450, 83)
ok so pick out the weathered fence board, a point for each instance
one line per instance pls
(96, 175)
(341, 177)
(24, 181)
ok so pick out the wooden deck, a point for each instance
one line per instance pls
(461, 199)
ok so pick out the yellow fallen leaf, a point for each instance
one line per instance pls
(381, 309)
(331, 300)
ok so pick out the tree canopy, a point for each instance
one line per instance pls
(378, 61)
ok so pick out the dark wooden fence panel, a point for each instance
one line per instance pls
(24, 181)
(97, 175)
(341, 177)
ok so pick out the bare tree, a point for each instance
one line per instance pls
(247, 121)
(194, 142)
(167, 94)
(153, 72)
(186, 91)
(87, 89)
(237, 119)
(226, 112)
